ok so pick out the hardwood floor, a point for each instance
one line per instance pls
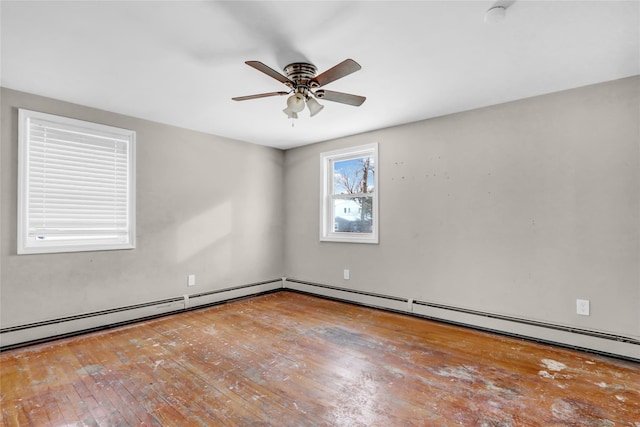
(288, 359)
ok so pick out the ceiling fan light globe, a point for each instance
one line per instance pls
(314, 106)
(290, 114)
(295, 103)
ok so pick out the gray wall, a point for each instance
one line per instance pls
(516, 209)
(206, 205)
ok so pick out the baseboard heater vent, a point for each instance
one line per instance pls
(235, 288)
(612, 345)
(63, 327)
(562, 328)
(88, 315)
(351, 291)
(369, 299)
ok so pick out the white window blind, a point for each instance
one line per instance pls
(76, 185)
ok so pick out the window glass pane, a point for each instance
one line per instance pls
(353, 176)
(353, 215)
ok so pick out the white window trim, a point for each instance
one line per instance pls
(327, 233)
(32, 245)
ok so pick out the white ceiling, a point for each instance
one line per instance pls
(181, 62)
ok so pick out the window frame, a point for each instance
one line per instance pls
(27, 244)
(327, 223)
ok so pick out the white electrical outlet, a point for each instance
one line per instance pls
(582, 307)
(191, 280)
(346, 274)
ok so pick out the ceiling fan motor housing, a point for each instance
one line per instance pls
(302, 74)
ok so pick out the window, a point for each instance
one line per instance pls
(349, 191)
(76, 185)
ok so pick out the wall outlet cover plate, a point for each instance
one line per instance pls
(582, 307)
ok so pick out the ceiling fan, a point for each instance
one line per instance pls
(305, 86)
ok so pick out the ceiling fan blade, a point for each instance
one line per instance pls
(344, 68)
(344, 98)
(261, 95)
(269, 72)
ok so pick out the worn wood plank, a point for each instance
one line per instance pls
(289, 359)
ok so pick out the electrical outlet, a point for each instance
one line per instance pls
(582, 307)
(191, 280)
(346, 274)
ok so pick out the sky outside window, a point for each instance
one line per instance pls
(347, 175)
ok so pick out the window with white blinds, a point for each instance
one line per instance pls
(76, 185)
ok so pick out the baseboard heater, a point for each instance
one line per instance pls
(602, 343)
(48, 330)
(598, 342)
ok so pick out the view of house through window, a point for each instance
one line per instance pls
(353, 187)
(349, 195)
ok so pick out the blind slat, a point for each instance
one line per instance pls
(78, 185)
(78, 161)
(48, 141)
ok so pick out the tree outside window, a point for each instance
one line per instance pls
(353, 183)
